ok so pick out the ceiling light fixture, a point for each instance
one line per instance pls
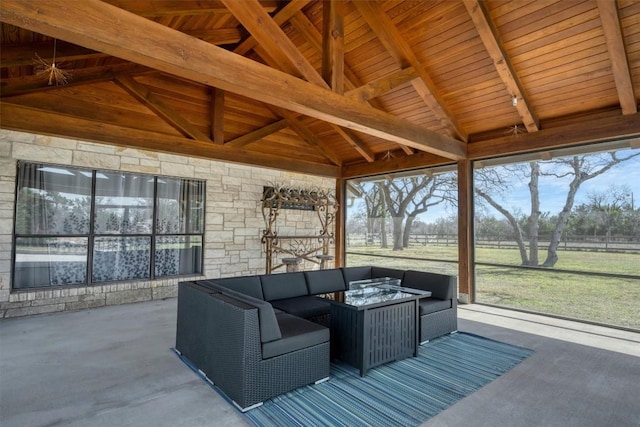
(52, 70)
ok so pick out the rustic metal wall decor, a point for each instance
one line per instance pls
(306, 247)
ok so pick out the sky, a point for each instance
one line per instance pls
(553, 191)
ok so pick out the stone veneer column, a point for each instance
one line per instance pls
(233, 223)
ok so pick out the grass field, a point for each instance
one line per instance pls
(613, 301)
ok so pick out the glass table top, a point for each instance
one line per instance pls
(374, 295)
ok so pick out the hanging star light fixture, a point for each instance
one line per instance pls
(52, 70)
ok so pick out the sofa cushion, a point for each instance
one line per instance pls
(387, 272)
(285, 285)
(351, 274)
(442, 286)
(431, 305)
(269, 330)
(297, 334)
(306, 306)
(324, 281)
(249, 285)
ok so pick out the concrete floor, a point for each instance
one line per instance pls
(113, 367)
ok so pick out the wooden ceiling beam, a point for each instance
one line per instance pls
(258, 134)
(141, 93)
(398, 47)
(21, 55)
(355, 142)
(154, 8)
(313, 36)
(217, 115)
(270, 36)
(306, 28)
(217, 36)
(278, 50)
(492, 43)
(586, 130)
(294, 123)
(100, 26)
(333, 44)
(27, 119)
(618, 56)
(293, 7)
(383, 85)
(333, 66)
(393, 164)
(22, 85)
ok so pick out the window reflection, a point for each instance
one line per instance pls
(50, 261)
(59, 240)
(124, 204)
(52, 201)
(121, 258)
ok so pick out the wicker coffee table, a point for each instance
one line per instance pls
(375, 325)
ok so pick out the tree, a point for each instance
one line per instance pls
(375, 210)
(609, 207)
(408, 197)
(492, 183)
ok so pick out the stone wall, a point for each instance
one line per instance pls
(233, 227)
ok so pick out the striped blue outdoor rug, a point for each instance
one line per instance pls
(403, 393)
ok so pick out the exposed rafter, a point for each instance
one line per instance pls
(19, 117)
(99, 26)
(217, 115)
(279, 51)
(258, 134)
(13, 56)
(35, 83)
(619, 62)
(311, 34)
(333, 44)
(145, 96)
(383, 85)
(301, 129)
(491, 40)
(152, 8)
(293, 7)
(398, 47)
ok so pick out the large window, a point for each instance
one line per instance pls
(405, 220)
(559, 233)
(78, 226)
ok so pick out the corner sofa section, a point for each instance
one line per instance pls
(246, 348)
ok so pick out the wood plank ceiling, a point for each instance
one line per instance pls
(336, 88)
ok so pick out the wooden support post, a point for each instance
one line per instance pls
(466, 276)
(339, 223)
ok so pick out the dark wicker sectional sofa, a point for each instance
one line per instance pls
(256, 337)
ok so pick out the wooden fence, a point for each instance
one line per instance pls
(624, 244)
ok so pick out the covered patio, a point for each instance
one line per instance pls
(139, 139)
(114, 366)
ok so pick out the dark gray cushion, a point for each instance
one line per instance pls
(306, 306)
(297, 334)
(431, 305)
(281, 286)
(352, 274)
(442, 286)
(324, 281)
(269, 330)
(249, 285)
(387, 272)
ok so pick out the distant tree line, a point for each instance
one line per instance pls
(395, 204)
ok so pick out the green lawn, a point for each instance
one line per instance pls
(606, 300)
